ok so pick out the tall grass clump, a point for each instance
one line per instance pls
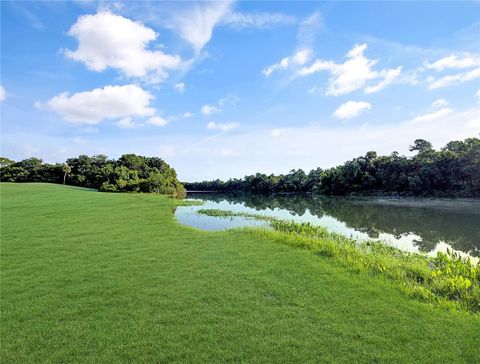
(447, 279)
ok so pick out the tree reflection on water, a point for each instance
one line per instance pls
(455, 222)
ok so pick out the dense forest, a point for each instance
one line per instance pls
(454, 170)
(128, 173)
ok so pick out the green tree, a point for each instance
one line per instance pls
(4, 162)
(66, 169)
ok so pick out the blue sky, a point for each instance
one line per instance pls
(225, 89)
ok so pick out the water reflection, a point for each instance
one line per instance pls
(422, 223)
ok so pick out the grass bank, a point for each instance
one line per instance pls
(98, 277)
(447, 279)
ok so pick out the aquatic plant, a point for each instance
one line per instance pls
(230, 214)
(457, 278)
(182, 202)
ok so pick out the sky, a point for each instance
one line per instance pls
(226, 89)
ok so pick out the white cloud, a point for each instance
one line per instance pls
(196, 21)
(222, 126)
(230, 99)
(464, 60)
(439, 103)
(89, 130)
(126, 123)
(314, 90)
(353, 74)
(389, 77)
(351, 109)
(278, 132)
(187, 115)
(195, 24)
(209, 110)
(3, 94)
(239, 20)
(433, 116)
(108, 40)
(180, 87)
(452, 80)
(297, 59)
(110, 102)
(305, 37)
(79, 140)
(157, 121)
(308, 29)
(228, 153)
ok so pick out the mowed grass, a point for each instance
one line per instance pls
(92, 277)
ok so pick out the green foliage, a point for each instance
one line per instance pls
(4, 162)
(457, 278)
(130, 173)
(451, 171)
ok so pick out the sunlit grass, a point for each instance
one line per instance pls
(89, 277)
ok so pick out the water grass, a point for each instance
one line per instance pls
(230, 214)
(447, 279)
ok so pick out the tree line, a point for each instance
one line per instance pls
(454, 170)
(128, 173)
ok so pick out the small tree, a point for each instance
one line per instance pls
(66, 169)
(421, 145)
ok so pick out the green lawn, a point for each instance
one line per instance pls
(96, 277)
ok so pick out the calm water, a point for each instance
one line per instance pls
(413, 224)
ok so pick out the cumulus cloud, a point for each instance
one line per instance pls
(3, 94)
(157, 121)
(353, 74)
(109, 102)
(433, 116)
(222, 126)
(209, 110)
(180, 87)
(297, 59)
(464, 60)
(187, 115)
(351, 109)
(467, 62)
(452, 80)
(106, 40)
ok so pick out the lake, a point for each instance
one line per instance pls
(423, 225)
